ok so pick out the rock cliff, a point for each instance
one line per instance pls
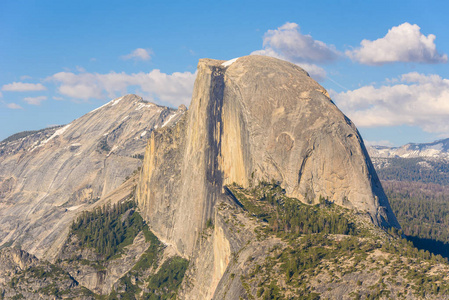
(219, 186)
(253, 118)
(48, 177)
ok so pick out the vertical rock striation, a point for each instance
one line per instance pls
(254, 118)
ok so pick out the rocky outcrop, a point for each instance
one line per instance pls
(24, 276)
(257, 118)
(14, 261)
(49, 176)
(100, 280)
(254, 118)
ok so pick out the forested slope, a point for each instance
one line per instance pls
(418, 191)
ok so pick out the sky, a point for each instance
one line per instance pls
(384, 63)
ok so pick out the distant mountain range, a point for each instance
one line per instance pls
(437, 149)
(416, 180)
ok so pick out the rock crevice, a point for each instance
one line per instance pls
(257, 118)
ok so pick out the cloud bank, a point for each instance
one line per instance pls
(173, 88)
(417, 100)
(35, 100)
(288, 43)
(13, 106)
(139, 54)
(23, 87)
(403, 43)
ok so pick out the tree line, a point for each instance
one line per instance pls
(288, 216)
(108, 228)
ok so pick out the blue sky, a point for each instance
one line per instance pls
(61, 59)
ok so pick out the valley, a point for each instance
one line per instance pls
(416, 178)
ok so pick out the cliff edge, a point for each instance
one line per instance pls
(254, 118)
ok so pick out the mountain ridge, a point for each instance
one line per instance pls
(251, 119)
(52, 174)
(438, 149)
(263, 188)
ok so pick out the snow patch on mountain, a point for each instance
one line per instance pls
(229, 62)
(437, 149)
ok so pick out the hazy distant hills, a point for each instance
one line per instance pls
(416, 180)
(437, 149)
(426, 162)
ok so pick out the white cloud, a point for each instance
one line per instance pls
(379, 143)
(23, 87)
(13, 106)
(288, 43)
(268, 52)
(25, 77)
(314, 71)
(139, 54)
(173, 88)
(418, 100)
(35, 100)
(1, 95)
(57, 98)
(404, 43)
(81, 86)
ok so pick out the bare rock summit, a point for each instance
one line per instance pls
(48, 177)
(254, 118)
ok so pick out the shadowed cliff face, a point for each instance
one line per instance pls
(257, 118)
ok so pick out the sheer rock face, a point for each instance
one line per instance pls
(255, 118)
(48, 177)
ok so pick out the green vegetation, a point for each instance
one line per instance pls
(326, 243)
(139, 156)
(321, 256)
(53, 281)
(422, 209)
(141, 278)
(108, 229)
(6, 245)
(162, 285)
(23, 134)
(415, 169)
(41, 272)
(103, 146)
(166, 282)
(209, 223)
(418, 191)
(288, 216)
(150, 257)
(142, 270)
